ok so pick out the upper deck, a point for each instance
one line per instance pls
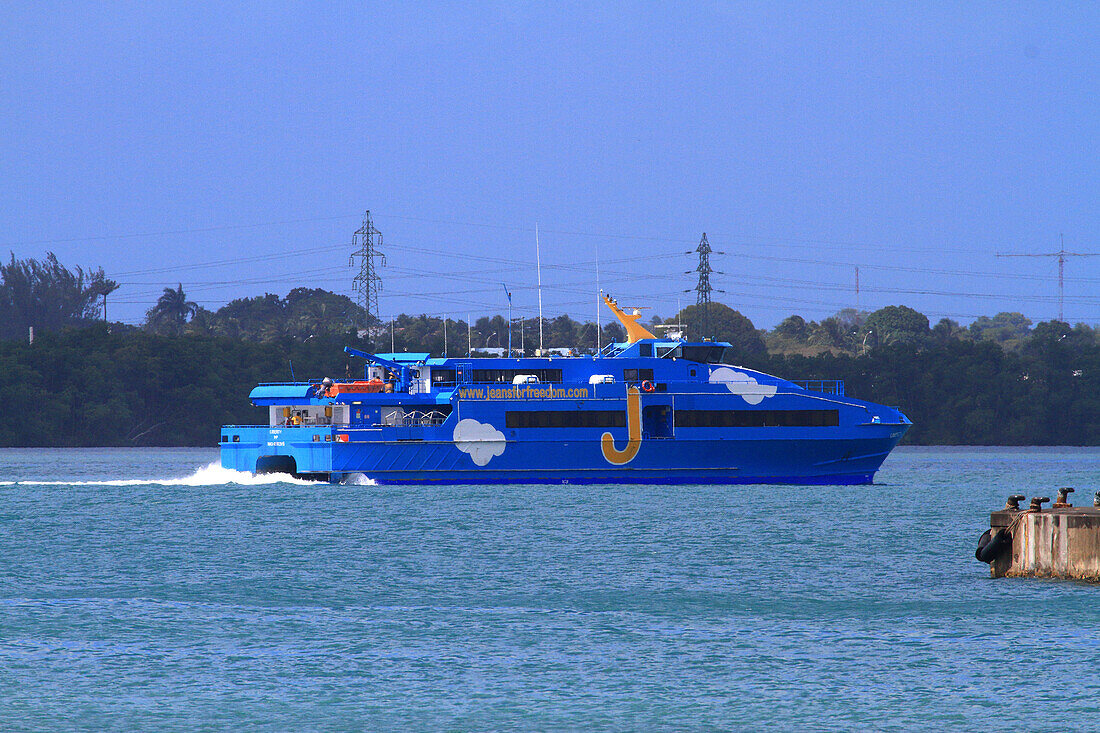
(416, 388)
(658, 365)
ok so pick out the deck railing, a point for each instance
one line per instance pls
(825, 386)
(417, 418)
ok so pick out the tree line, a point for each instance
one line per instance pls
(185, 371)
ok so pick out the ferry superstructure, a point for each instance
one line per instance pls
(647, 410)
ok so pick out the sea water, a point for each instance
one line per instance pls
(153, 590)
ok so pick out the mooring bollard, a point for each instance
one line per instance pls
(1063, 498)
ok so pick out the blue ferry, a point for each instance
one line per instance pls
(652, 410)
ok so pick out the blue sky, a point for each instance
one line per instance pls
(235, 150)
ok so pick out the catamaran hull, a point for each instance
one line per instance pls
(851, 455)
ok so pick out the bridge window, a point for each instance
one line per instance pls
(706, 353)
(637, 375)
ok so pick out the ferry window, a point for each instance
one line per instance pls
(705, 354)
(663, 350)
(505, 376)
(757, 418)
(637, 375)
(443, 375)
(225, 438)
(645, 349)
(565, 419)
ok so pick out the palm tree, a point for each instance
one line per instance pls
(103, 287)
(171, 312)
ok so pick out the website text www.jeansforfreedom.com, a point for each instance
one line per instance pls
(522, 392)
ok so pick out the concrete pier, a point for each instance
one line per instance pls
(1062, 541)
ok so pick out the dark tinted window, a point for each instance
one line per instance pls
(443, 375)
(645, 349)
(565, 419)
(757, 418)
(505, 376)
(706, 353)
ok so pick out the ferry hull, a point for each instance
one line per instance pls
(648, 411)
(851, 456)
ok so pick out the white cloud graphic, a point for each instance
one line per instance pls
(743, 384)
(481, 440)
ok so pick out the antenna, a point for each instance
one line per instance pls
(599, 298)
(509, 319)
(367, 283)
(676, 330)
(1061, 254)
(857, 287)
(538, 267)
(469, 336)
(444, 335)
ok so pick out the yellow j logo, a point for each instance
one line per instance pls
(634, 432)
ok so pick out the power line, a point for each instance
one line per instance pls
(487, 275)
(173, 232)
(1061, 254)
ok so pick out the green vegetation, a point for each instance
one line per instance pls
(187, 370)
(47, 296)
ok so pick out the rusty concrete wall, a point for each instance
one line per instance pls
(1055, 543)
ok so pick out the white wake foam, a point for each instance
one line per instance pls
(211, 475)
(358, 479)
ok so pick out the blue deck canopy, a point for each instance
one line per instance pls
(272, 394)
(405, 357)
